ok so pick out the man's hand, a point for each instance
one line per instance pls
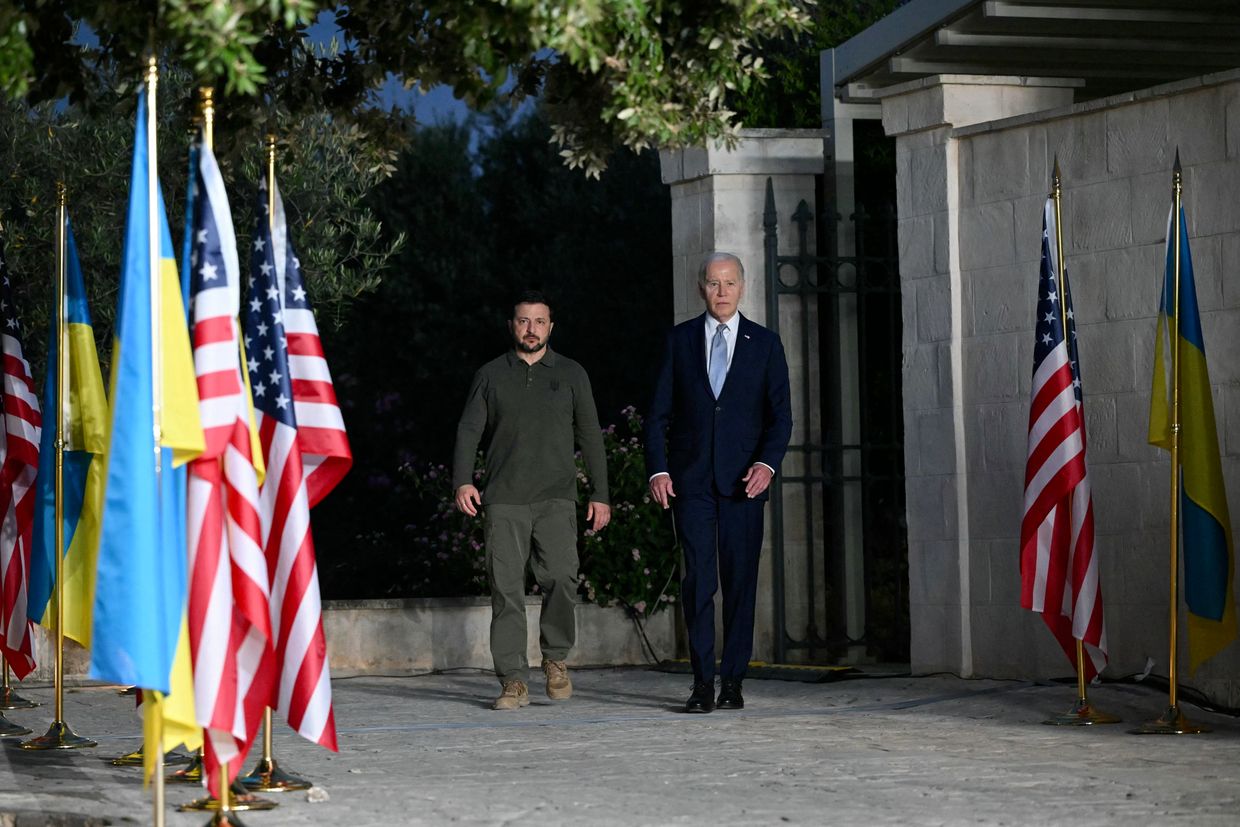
(661, 489)
(756, 479)
(468, 499)
(598, 515)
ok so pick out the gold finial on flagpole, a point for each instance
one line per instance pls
(1173, 721)
(206, 109)
(59, 735)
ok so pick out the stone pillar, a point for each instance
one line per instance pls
(922, 116)
(837, 121)
(718, 198)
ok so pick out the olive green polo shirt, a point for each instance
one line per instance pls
(528, 418)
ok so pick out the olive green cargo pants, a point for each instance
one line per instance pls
(544, 535)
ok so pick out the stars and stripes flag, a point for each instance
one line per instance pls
(19, 462)
(1058, 567)
(304, 682)
(325, 451)
(229, 611)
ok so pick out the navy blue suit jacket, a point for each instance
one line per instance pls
(700, 440)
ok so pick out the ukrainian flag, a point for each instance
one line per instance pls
(1209, 561)
(140, 602)
(85, 437)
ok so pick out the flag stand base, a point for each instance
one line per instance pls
(1082, 714)
(228, 819)
(59, 736)
(11, 700)
(9, 729)
(189, 774)
(267, 777)
(241, 800)
(1172, 722)
(135, 759)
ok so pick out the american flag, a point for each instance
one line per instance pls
(325, 451)
(229, 601)
(304, 683)
(1058, 568)
(19, 463)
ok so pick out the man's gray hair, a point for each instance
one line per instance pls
(711, 258)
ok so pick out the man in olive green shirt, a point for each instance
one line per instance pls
(528, 408)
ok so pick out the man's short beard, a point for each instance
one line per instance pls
(524, 348)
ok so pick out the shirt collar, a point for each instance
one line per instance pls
(732, 323)
(548, 358)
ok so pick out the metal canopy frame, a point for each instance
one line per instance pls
(1112, 46)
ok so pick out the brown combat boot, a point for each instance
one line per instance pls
(559, 687)
(516, 694)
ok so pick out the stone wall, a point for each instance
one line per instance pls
(393, 637)
(975, 159)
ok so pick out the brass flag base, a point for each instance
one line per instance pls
(135, 759)
(8, 729)
(59, 736)
(241, 800)
(267, 777)
(1082, 714)
(11, 700)
(189, 774)
(1172, 722)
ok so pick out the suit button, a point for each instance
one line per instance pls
(718, 408)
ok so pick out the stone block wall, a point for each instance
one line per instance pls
(971, 196)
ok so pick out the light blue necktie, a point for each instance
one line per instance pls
(718, 360)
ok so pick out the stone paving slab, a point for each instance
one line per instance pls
(894, 750)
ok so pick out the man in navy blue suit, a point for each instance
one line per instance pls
(717, 429)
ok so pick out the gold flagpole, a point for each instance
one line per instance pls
(155, 241)
(193, 774)
(1173, 721)
(59, 735)
(225, 806)
(1082, 712)
(267, 777)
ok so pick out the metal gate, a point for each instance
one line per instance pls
(841, 588)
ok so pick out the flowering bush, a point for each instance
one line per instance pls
(633, 561)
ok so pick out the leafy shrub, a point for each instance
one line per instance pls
(633, 561)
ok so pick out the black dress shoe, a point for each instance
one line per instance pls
(730, 694)
(702, 699)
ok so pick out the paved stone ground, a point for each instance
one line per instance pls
(865, 751)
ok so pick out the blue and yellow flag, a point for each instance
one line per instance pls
(140, 599)
(1209, 561)
(85, 418)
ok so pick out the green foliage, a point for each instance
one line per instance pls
(792, 99)
(326, 171)
(612, 72)
(633, 561)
